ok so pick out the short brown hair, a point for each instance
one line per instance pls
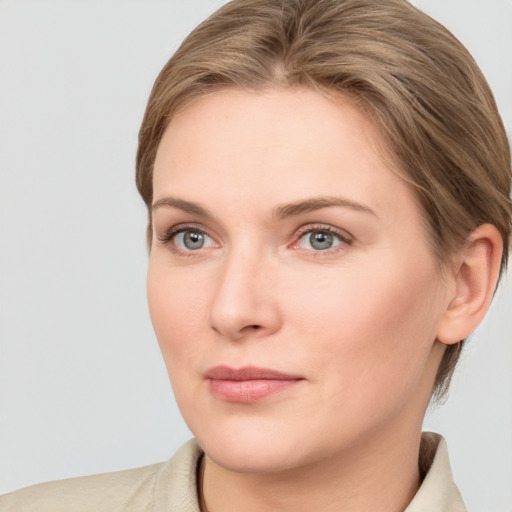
(402, 68)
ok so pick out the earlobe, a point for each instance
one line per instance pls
(475, 278)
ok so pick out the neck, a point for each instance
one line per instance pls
(379, 475)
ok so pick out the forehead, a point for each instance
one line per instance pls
(274, 146)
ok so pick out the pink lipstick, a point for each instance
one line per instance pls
(247, 385)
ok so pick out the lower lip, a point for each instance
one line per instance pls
(249, 391)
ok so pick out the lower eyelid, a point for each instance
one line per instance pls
(338, 246)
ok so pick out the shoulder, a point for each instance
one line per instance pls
(109, 491)
(135, 490)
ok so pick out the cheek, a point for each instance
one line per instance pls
(370, 329)
(176, 305)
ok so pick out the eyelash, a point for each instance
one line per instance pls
(167, 239)
(344, 238)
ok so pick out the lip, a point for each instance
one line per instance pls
(249, 384)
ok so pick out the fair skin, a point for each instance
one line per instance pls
(281, 241)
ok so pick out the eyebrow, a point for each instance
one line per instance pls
(181, 204)
(316, 203)
(281, 211)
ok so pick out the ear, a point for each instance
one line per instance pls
(475, 277)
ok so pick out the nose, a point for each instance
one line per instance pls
(245, 303)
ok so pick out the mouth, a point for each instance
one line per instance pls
(249, 384)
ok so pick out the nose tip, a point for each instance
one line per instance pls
(239, 322)
(244, 305)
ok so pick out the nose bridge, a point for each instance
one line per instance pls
(243, 302)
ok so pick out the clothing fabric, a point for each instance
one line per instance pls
(172, 487)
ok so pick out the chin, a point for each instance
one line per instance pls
(250, 455)
(252, 446)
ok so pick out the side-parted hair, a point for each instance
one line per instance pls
(404, 70)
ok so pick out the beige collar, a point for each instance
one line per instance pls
(176, 485)
(438, 491)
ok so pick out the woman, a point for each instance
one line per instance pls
(328, 194)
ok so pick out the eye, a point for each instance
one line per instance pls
(191, 240)
(321, 239)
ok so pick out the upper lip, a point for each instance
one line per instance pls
(247, 373)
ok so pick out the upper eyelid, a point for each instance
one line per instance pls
(185, 226)
(307, 228)
(169, 233)
(166, 228)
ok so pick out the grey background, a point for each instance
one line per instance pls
(82, 385)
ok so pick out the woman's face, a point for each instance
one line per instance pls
(291, 285)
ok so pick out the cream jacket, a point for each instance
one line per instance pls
(171, 487)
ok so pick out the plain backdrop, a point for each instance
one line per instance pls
(82, 385)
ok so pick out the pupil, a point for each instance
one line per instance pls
(321, 241)
(193, 240)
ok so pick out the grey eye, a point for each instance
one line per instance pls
(192, 240)
(321, 241)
